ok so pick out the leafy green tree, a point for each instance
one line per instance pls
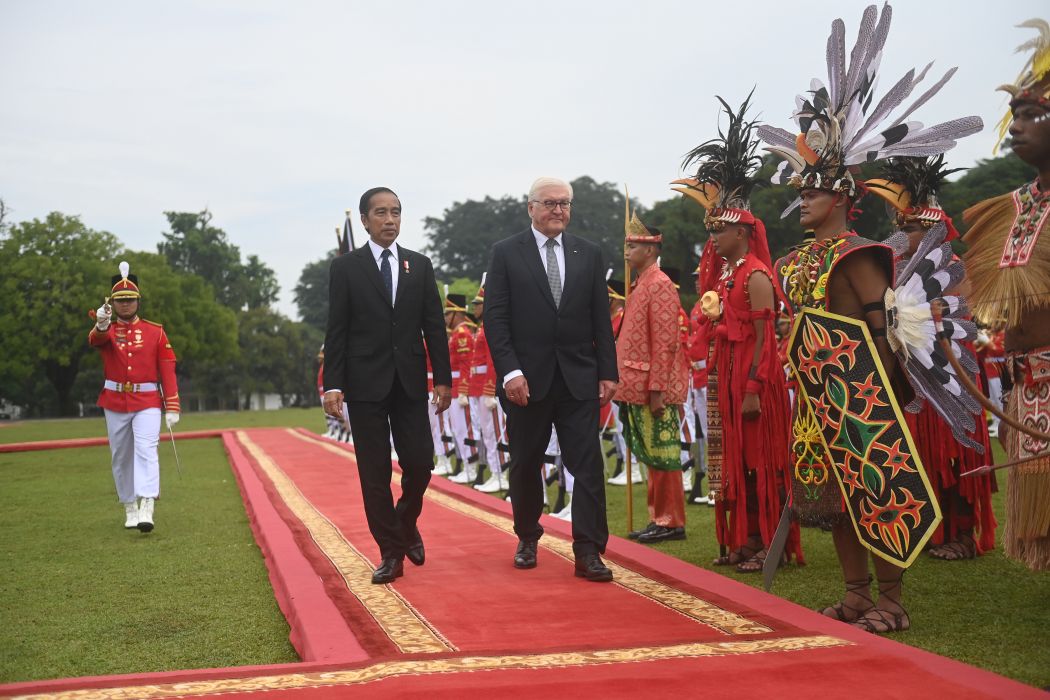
(278, 356)
(460, 241)
(311, 292)
(55, 271)
(193, 245)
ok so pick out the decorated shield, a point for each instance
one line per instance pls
(863, 432)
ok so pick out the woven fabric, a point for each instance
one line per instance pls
(553, 271)
(654, 441)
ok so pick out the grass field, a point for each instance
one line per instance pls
(81, 596)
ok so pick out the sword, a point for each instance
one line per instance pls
(775, 551)
(178, 465)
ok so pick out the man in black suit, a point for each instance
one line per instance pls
(383, 303)
(547, 321)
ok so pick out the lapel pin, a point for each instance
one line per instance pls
(405, 264)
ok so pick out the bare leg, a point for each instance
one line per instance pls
(853, 559)
(888, 615)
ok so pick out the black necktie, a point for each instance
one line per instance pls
(388, 276)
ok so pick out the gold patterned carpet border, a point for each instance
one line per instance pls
(709, 614)
(399, 620)
(462, 664)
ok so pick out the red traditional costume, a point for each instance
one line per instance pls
(650, 358)
(754, 457)
(910, 187)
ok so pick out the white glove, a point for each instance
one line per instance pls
(462, 400)
(171, 418)
(489, 402)
(102, 317)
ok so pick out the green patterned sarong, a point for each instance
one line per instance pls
(655, 442)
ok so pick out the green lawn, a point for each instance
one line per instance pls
(81, 596)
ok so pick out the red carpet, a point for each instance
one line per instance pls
(468, 621)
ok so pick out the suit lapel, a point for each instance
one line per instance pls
(531, 254)
(364, 253)
(572, 264)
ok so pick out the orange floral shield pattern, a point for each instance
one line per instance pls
(863, 432)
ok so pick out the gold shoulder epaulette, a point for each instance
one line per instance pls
(152, 323)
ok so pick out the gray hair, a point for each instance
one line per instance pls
(544, 182)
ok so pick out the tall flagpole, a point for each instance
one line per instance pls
(626, 418)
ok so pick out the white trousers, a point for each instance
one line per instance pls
(491, 421)
(438, 427)
(458, 416)
(995, 395)
(133, 439)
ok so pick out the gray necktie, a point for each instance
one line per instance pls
(553, 271)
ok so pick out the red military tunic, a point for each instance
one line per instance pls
(482, 371)
(136, 353)
(461, 352)
(649, 352)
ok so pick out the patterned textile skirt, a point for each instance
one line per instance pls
(654, 441)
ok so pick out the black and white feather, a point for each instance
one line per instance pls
(929, 275)
(843, 122)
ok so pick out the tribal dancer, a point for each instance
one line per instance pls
(848, 420)
(910, 187)
(751, 394)
(653, 377)
(1008, 264)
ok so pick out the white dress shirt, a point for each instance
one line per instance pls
(377, 252)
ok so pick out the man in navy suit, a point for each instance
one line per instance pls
(383, 303)
(549, 334)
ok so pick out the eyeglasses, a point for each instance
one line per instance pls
(552, 204)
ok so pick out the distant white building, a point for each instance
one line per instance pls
(264, 402)
(9, 411)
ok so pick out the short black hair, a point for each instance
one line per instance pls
(366, 198)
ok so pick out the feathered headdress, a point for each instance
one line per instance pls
(841, 125)
(1033, 84)
(724, 181)
(910, 186)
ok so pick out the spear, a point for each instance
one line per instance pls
(626, 416)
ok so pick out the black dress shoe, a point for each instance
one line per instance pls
(662, 534)
(415, 552)
(592, 568)
(635, 534)
(389, 569)
(525, 557)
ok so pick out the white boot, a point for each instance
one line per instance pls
(469, 473)
(145, 514)
(444, 466)
(637, 477)
(687, 481)
(492, 485)
(131, 516)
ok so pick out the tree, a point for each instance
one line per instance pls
(55, 271)
(459, 241)
(277, 356)
(311, 292)
(193, 245)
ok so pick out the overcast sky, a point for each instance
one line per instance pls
(277, 115)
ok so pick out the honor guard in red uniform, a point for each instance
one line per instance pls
(439, 427)
(461, 352)
(483, 404)
(139, 367)
(612, 426)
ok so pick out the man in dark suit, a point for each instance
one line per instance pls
(549, 334)
(383, 303)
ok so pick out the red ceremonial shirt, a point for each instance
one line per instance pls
(136, 353)
(482, 371)
(461, 352)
